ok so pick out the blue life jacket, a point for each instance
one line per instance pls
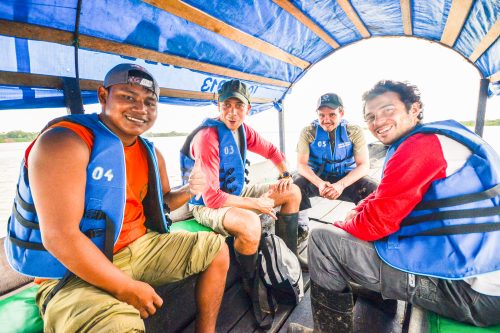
(232, 160)
(323, 161)
(453, 232)
(105, 195)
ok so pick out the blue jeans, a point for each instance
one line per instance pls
(337, 259)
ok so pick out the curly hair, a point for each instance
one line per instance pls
(408, 93)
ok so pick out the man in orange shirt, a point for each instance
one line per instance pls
(93, 192)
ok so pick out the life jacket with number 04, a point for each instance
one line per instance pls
(105, 195)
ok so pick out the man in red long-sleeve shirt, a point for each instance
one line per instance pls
(228, 206)
(434, 219)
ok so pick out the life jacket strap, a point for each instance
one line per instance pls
(452, 214)
(460, 200)
(27, 245)
(108, 249)
(57, 287)
(458, 230)
(24, 222)
(24, 204)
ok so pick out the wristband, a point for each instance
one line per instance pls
(285, 174)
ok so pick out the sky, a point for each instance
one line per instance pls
(448, 83)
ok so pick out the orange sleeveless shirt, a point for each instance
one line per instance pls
(137, 185)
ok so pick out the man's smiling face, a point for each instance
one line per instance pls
(388, 119)
(128, 110)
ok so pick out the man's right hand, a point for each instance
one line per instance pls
(322, 187)
(141, 296)
(265, 205)
(350, 215)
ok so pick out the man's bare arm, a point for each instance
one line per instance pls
(178, 197)
(305, 171)
(361, 169)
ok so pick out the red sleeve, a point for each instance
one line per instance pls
(206, 146)
(257, 144)
(363, 202)
(414, 166)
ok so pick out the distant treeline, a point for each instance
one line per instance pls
(173, 133)
(21, 136)
(17, 136)
(471, 123)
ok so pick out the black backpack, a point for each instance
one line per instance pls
(278, 280)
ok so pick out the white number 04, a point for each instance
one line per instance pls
(98, 173)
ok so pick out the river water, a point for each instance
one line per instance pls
(11, 155)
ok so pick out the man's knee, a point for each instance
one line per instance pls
(323, 235)
(366, 186)
(245, 225)
(295, 192)
(293, 195)
(221, 261)
(101, 316)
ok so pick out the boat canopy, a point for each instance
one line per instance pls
(54, 52)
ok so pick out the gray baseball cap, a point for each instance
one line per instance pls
(330, 100)
(134, 74)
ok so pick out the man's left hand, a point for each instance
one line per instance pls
(282, 185)
(197, 180)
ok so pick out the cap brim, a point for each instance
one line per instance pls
(330, 105)
(234, 94)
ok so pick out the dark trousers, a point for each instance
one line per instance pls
(338, 259)
(353, 193)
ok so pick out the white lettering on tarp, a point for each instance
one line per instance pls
(212, 85)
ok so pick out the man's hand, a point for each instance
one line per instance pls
(282, 185)
(141, 296)
(197, 179)
(350, 215)
(265, 205)
(332, 191)
(322, 187)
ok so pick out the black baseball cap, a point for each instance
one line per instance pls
(234, 88)
(330, 100)
(134, 74)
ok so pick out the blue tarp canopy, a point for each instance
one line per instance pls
(192, 46)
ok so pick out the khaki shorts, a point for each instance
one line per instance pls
(213, 217)
(154, 258)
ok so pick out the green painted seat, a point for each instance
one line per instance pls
(19, 313)
(439, 324)
(188, 225)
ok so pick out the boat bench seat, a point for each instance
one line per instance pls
(19, 313)
(424, 321)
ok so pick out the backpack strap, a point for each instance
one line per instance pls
(264, 320)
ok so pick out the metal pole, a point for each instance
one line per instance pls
(281, 122)
(72, 92)
(481, 106)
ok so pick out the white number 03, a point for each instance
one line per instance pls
(98, 173)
